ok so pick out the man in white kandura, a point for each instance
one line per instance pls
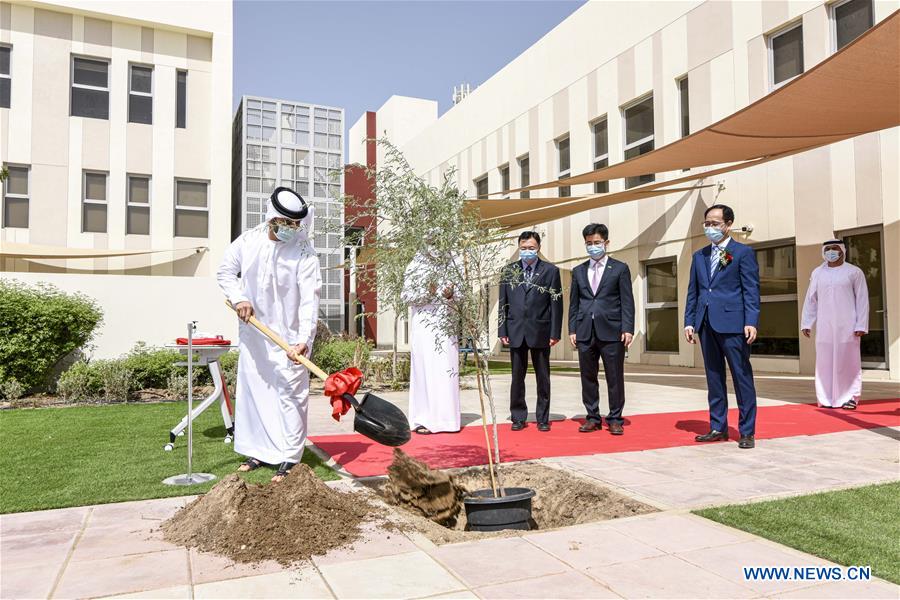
(837, 303)
(434, 351)
(279, 283)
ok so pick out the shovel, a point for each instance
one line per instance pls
(375, 417)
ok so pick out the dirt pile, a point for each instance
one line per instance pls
(288, 522)
(433, 494)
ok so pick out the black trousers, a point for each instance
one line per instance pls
(540, 359)
(613, 356)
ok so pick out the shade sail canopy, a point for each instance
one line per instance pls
(36, 251)
(853, 92)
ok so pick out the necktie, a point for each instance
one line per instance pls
(528, 273)
(595, 276)
(715, 260)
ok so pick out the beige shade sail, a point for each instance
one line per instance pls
(853, 92)
(36, 251)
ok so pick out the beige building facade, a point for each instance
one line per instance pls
(116, 133)
(617, 79)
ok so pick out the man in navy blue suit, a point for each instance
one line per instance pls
(722, 310)
(601, 326)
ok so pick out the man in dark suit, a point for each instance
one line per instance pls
(530, 321)
(601, 326)
(722, 310)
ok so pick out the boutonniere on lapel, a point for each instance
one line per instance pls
(725, 258)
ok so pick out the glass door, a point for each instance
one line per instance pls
(865, 251)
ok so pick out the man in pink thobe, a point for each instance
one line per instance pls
(837, 302)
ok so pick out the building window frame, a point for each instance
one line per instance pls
(481, 194)
(178, 208)
(504, 179)
(129, 204)
(770, 51)
(85, 200)
(832, 21)
(651, 306)
(131, 92)
(83, 86)
(524, 174)
(181, 99)
(638, 180)
(565, 191)
(684, 104)
(7, 103)
(773, 298)
(26, 197)
(601, 159)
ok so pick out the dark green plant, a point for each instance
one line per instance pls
(151, 367)
(80, 382)
(39, 326)
(337, 354)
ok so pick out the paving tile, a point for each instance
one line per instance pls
(296, 583)
(207, 567)
(178, 592)
(44, 521)
(460, 595)
(666, 576)
(26, 550)
(497, 560)
(375, 542)
(741, 488)
(678, 533)
(627, 476)
(149, 511)
(571, 584)
(34, 581)
(702, 492)
(728, 562)
(410, 575)
(846, 589)
(124, 574)
(801, 480)
(108, 542)
(583, 547)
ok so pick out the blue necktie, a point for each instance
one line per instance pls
(715, 260)
(528, 273)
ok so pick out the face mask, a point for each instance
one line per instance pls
(285, 234)
(596, 251)
(527, 255)
(714, 234)
(832, 255)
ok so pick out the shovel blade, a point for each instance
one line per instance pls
(381, 421)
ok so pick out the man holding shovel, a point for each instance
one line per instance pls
(272, 272)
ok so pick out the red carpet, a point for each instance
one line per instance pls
(362, 457)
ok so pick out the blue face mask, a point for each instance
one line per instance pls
(714, 234)
(832, 255)
(285, 234)
(527, 255)
(595, 251)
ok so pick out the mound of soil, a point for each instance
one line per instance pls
(289, 521)
(433, 494)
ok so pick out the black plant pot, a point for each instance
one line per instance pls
(484, 512)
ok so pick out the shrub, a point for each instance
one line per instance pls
(80, 382)
(11, 389)
(229, 364)
(151, 367)
(116, 379)
(177, 385)
(337, 354)
(39, 325)
(381, 370)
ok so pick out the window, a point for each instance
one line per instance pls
(181, 100)
(191, 208)
(661, 310)
(639, 135)
(504, 179)
(481, 188)
(294, 125)
(140, 95)
(684, 106)
(326, 176)
(93, 204)
(5, 76)
(137, 214)
(778, 322)
(565, 165)
(786, 53)
(90, 88)
(601, 152)
(851, 19)
(261, 121)
(524, 176)
(15, 197)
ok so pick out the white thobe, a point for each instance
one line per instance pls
(434, 353)
(282, 282)
(837, 302)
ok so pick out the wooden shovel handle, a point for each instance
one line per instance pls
(284, 345)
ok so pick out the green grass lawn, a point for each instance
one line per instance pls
(58, 457)
(859, 526)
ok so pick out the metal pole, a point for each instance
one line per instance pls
(190, 364)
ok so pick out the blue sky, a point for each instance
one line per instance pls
(356, 54)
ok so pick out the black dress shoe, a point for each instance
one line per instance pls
(615, 428)
(589, 426)
(543, 426)
(518, 425)
(712, 436)
(746, 442)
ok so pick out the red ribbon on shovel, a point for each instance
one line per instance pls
(338, 384)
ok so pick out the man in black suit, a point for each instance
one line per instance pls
(530, 321)
(601, 326)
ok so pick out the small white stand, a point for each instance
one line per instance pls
(190, 478)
